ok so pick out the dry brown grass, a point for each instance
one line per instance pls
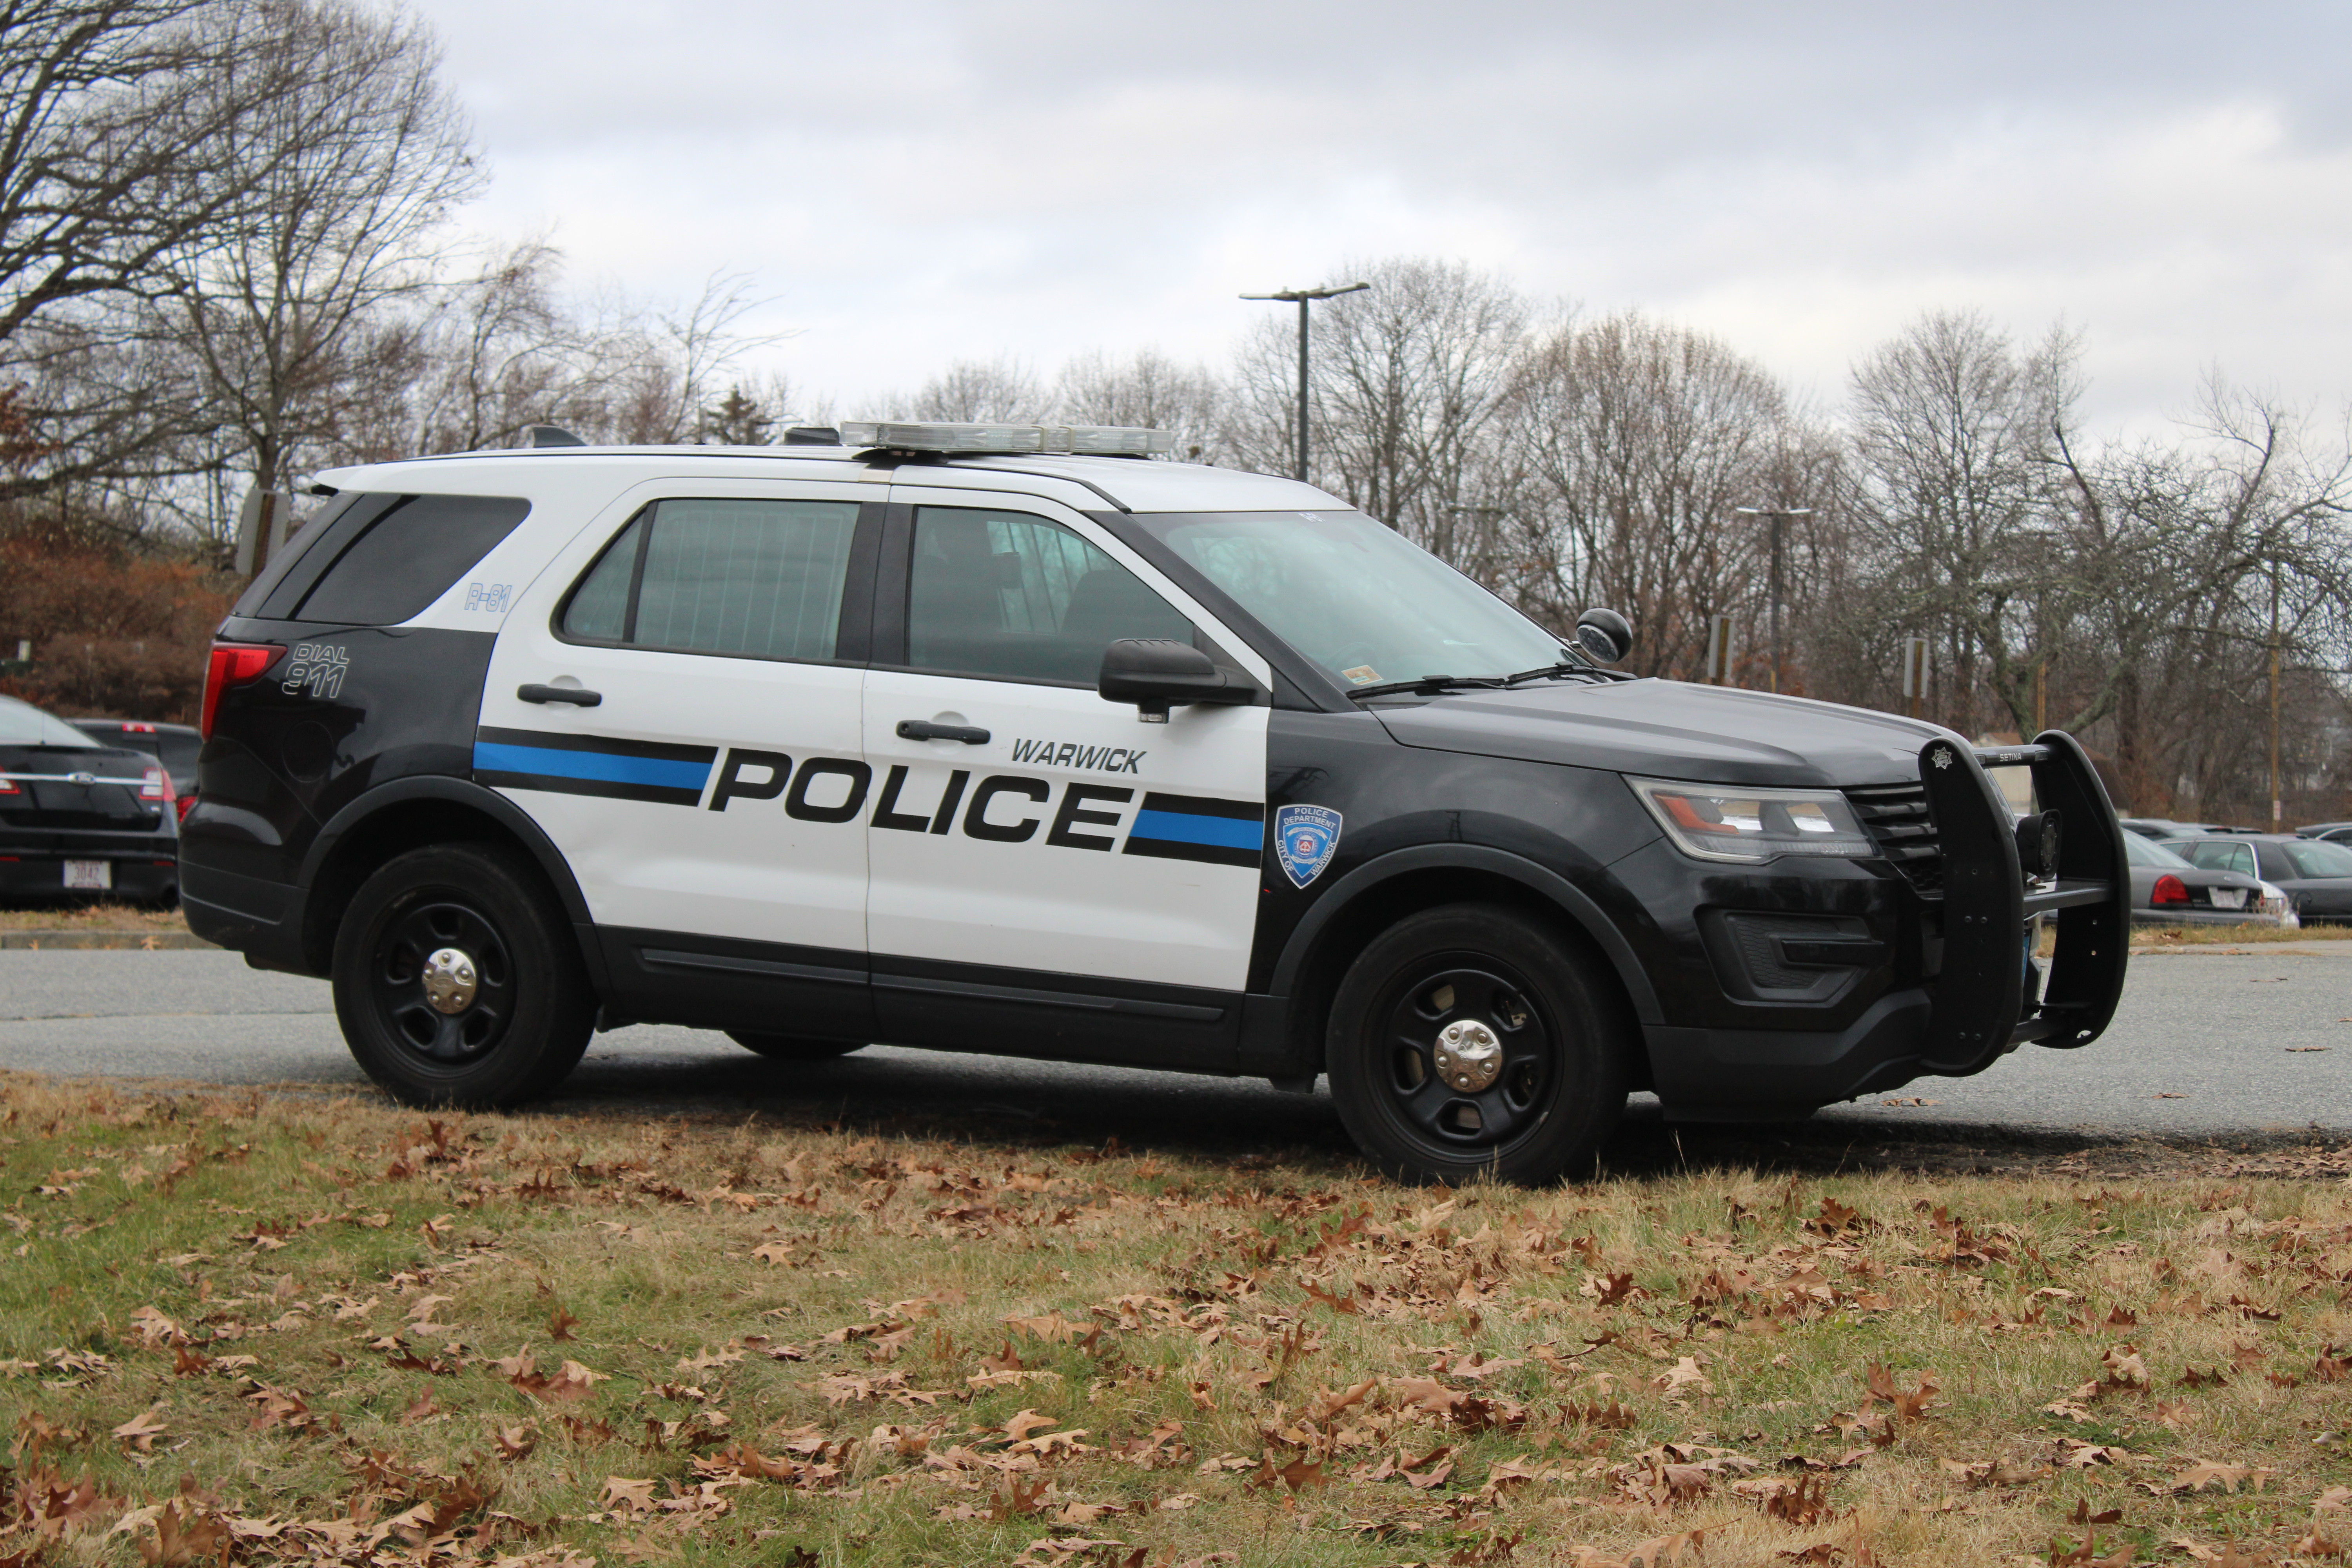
(281, 1329)
(65, 916)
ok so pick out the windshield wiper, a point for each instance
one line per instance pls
(1430, 685)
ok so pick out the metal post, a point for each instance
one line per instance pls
(1302, 389)
(1303, 296)
(2041, 696)
(2277, 816)
(1777, 515)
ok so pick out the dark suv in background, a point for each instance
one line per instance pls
(82, 819)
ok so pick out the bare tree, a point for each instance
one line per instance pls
(1147, 390)
(1409, 378)
(358, 165)
(118, 120)
(1633, 444)
(977, 392)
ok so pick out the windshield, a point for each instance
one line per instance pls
(2146, 852)
(2319, 860)
(22, 724)
(1354, 596)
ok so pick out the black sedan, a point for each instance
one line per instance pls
(2316, 874)
(173, 745)
(2170, 890)
(77, 818)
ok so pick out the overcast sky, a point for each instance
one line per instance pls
(915, 183)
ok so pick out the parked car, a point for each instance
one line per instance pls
(173, 745)
(2313, 872)
(2161, 828)
(2168, 890)
(2335, 831)
(79, 818)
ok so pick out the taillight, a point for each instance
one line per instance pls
(182, 805)
(10, 786)
(2171, 889)
(233, 664)
(156, 785)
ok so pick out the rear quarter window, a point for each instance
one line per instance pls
(409, 556)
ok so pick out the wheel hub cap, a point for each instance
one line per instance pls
(1468, 1055)
(450, 980)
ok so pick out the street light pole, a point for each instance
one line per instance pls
(1778, 514)
(1303, 296)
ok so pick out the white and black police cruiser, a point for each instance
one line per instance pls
(1000, 739)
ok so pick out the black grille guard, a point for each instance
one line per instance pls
(1981, 1008)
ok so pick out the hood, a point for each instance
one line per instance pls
(1671, 730)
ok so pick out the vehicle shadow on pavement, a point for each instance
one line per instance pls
(1028, 1105)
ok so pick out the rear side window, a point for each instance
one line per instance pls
(755, 579)
(409, 557)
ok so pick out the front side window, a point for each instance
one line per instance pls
(756, 579)
(1355, 596)
(1004, 596)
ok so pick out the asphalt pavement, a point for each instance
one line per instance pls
(2208, 1043)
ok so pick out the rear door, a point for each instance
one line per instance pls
(1059, 878)
(676, 701)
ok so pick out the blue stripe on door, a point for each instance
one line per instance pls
(1224, 832)
(658, 772)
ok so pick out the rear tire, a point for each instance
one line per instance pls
(457, 981)
(793, 1048)
(1470, 1040)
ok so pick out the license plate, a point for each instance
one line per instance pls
(2228, 898)
(98, 875)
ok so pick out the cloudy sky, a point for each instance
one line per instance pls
(917, 182)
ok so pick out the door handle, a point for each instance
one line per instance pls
(924, 730)
(571, 694)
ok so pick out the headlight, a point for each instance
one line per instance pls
(1729, 822)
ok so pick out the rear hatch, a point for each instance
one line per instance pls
(65, 794)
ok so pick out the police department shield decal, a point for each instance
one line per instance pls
(1305, 839)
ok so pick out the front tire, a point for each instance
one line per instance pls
(457, 982)
(793, 1048)
(1470, 1040)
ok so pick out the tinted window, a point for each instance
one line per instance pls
(761, 579)
(1010, 597)
(410, 557)
(2320, 858)
(293, 561)
(2273, 864)
(22, 724)
(2147, 852)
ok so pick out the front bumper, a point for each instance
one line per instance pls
(1982, 996)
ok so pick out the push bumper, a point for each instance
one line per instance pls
(1988, 998)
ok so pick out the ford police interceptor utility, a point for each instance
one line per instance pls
(1002, 739)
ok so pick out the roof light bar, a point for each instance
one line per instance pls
(1089, 440)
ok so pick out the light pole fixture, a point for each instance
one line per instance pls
(1777, 515)
(1303, 296)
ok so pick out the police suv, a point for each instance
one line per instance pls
(1003, 739)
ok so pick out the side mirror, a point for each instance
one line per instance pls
(1154, 672)
(1607, 636)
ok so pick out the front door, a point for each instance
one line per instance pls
(709, 799)
(1038, 855)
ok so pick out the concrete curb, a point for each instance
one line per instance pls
(145, 940)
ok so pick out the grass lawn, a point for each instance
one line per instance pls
(289, 1327)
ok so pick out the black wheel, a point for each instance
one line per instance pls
(793, 1048)
(457, 981)
(1472, 1039)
